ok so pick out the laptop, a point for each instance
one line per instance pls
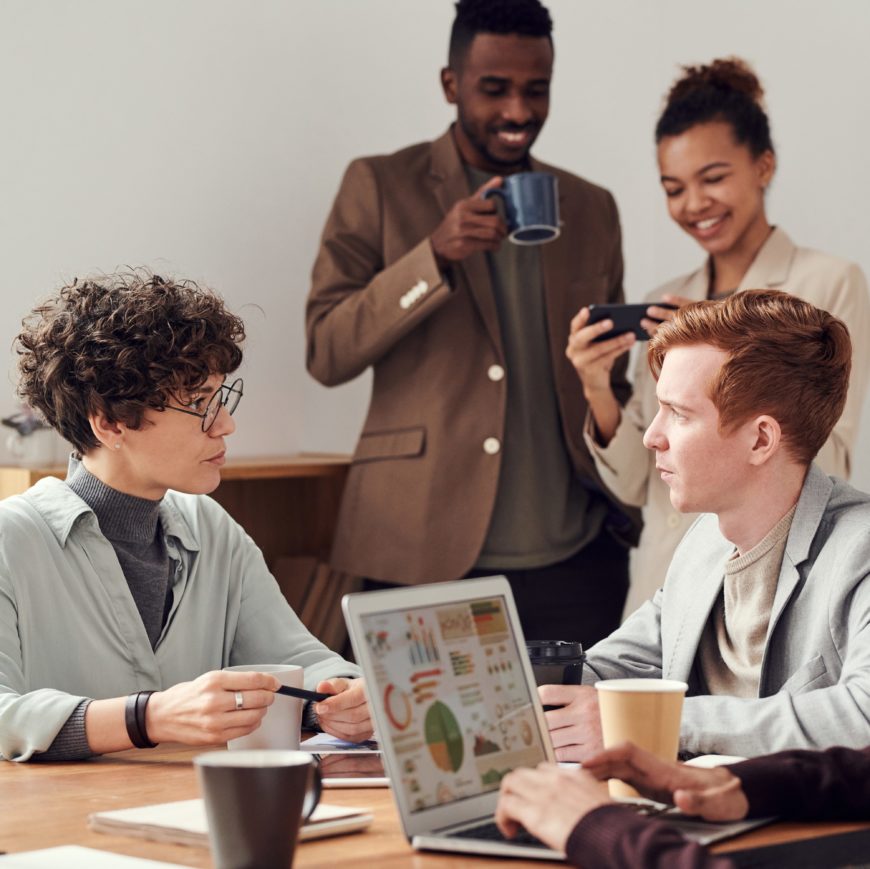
(453, 698)
(454, 701)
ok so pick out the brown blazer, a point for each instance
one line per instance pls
(422, 485)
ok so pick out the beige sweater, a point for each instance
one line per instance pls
(733, 642)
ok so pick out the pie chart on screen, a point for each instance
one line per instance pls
(443, 737)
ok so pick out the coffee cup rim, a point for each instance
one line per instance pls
(555, 230)
(254, 758)
(643, 686)
(264, 668)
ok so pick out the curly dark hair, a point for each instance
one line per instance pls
(726, 89)
(119, 344)
(522, 17)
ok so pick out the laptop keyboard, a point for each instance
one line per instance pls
(490, 832)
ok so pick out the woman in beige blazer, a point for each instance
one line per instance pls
(716, 160)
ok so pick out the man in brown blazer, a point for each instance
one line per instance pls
(472, 459)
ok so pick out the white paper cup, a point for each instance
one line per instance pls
(643, 711)
(282, 723)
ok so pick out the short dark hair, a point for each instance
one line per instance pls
(786, 358)
(727, 89)
(118, 344)
(522, 17)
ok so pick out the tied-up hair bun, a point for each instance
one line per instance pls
(727, 90)
(727, 74)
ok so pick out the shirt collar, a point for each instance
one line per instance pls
(61, 509)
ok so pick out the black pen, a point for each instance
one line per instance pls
(302, 694)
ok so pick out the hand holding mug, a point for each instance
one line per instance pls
(472, 224)
(206, 710)
(575, 727)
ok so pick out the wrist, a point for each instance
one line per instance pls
(596, 392)
(440, 260)
(154, 717)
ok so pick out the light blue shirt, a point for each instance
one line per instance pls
(70, 630)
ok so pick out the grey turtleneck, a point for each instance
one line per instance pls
(131, 525)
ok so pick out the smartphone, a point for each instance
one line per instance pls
(352, 769)
(626, 318)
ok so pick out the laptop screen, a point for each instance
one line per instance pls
(450, 680)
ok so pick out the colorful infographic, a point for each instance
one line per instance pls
(453, 691)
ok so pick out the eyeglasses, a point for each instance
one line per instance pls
(225, 396)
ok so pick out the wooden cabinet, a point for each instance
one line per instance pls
(287, 504)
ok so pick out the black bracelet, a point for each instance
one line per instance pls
(134, 718)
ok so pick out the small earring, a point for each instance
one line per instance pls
(118, 445)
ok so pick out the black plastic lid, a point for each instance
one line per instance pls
(551, 650)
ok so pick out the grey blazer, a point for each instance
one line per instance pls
(814, 690)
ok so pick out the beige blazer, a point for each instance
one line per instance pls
(628, 468)
(421, 488)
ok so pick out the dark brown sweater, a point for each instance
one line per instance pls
(798, 785)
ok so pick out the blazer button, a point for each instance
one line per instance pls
(495, 372)
(491, 446)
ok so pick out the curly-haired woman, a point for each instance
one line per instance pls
(125, 579)
(716, 160)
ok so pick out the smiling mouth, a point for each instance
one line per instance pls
(218, 458)
(515, 138)
(707, 224)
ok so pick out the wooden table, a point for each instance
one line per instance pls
(47, 804)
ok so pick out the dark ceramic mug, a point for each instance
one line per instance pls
(531, 206)
(256, 802)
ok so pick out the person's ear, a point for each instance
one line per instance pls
(766, 439)
(765, 165)
(449, 84)
(109, 433)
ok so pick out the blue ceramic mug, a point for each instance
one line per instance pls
(531, 205)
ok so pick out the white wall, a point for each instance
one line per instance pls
(206, 138)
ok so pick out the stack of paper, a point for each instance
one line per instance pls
(185, 822)
(76, 857)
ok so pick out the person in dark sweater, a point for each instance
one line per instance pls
(570, 811)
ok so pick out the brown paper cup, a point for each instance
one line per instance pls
(643, 711)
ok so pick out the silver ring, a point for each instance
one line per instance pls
(240, 700)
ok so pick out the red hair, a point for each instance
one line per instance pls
(786, 358)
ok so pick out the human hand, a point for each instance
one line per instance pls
(548, 802)
(655, 313)
(575, 728)
(346, 715)
(203, 712)
(714, 794)
(471, 225)
(594, 361)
